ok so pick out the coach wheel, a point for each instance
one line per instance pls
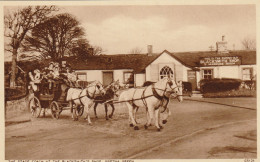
(55, 110)
(35, 107)
(80, 110)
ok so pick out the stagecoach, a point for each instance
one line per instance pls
(50, 97)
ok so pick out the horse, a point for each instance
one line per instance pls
(166, 99)
(110, 92)
(84, 97)
(151, 98)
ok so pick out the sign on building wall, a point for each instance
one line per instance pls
(220, 61)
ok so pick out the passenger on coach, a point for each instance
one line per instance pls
(35, 79)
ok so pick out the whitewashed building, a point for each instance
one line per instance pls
(186, 66)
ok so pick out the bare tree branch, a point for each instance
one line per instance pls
(249, 43)
(136, 50)
(18, 24)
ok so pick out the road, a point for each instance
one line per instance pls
(194, 130)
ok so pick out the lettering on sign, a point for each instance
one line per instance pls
(220, 61)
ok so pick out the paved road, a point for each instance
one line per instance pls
(194, 130)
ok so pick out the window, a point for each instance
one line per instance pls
(166, 71)
(82, 76)
(247, 73)
(128, 77)
(207, 74)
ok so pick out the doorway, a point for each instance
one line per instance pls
(107, 78)
(192, 79)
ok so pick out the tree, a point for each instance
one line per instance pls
(55, 37)
(136, 50)
(18, 24)
(80, 48)
(249, 43)
(97, 50)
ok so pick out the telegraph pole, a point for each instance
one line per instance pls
(211, 48)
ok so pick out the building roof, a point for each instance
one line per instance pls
(193, 58)
(138, 62)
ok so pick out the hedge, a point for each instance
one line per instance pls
(14, 94)
(231, 93)
(219, 85)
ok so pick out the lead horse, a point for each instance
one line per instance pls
(84, 97)
(151, 98)
(166, 98)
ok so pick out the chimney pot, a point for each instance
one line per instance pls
(149, 50)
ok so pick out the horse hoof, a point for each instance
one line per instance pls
(110, 116)
(75, 119)
(161, 127)
(136, 128)
(96, 117)
(106, 118)
(158, 129)
(90, 124)
(164, 121)
(145, 127)
(131, 125)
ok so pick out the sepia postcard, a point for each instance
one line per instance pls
(126, 81)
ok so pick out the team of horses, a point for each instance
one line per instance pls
(154, 97)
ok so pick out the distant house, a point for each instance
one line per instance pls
(185, 66)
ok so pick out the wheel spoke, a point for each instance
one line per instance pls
(55, 110)
(35, 107)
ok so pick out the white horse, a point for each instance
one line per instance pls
(151, 98)
(166, 98)
(84, 97)
(177, 94)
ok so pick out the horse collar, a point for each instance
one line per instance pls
(156, 94)
(87, 93)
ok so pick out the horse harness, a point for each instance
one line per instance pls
(155, 94)
(87, 95)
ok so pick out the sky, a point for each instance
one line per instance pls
(176, 28)
(118, 29)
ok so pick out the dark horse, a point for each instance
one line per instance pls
(109, 95)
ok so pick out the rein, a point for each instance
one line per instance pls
(155, 94)
(107, 97)
(164, 90)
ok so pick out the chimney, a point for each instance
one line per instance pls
(149, 50)
(222, 46)
(223, 38)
